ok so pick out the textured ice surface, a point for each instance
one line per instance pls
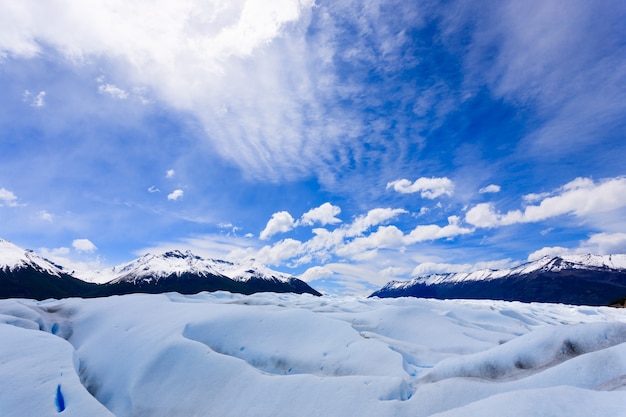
(291, 355)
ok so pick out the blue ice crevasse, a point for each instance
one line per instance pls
(59, 400)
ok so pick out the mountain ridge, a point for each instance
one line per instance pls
(571, 279)
(25, 274)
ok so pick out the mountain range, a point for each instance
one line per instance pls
(24, 274)
(573, 279)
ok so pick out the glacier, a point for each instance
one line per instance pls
(268, 354)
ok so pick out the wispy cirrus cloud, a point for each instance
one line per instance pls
(113, 91)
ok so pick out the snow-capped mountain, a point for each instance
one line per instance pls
(186, 272)
(27, 275)
(24, 274)
(576, 279)
(13, 258)
(153, 268)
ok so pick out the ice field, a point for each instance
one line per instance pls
(222, 354)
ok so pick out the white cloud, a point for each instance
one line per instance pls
(355, 241)
(72, 261)
(324, 214)
(113, 91)
(491, 188)
(175, 195)
(37, 101)
(581, 197)
(44, 215)
(280, 222)
(432, 231)
(373, 217)
(551, 252)
(384, 237)
(262, 112)
(314, 273)
(430, 188)
(483, 215)
(605, 243)
(84, 245)
(279, 252)
(534, 197)
(170, 173)
(153, 189)
(427, 268)
(597, 244)
(7, 198)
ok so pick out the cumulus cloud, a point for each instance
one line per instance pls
(432, 231)
(355, 241)
(153, 189)
(580, 197)
(170, 173)
(280, 222)
(605, 243)
(324, 214)
(551, 252)
(430, 188)
(373, 217)
(491, 188)
(279, 252)
(84, 245)
(383, 237)
(314, 273)
(175, 195)
(597, 244)
(7, 198)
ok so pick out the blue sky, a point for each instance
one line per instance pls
(346, 142)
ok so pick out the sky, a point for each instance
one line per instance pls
(348, 143)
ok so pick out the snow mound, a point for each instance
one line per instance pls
(532, 352)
